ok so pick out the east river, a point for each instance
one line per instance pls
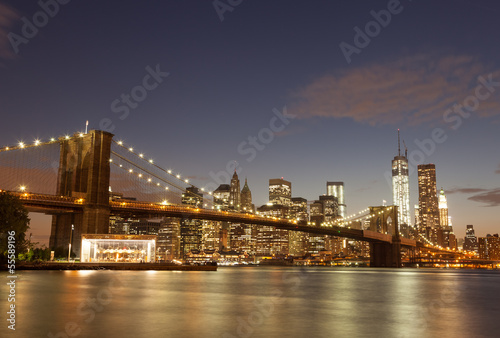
(254, 302)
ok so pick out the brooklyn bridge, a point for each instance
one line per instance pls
(71, 178)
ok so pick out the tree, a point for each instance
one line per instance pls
(13, 217)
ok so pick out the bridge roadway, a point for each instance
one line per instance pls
(52, 204)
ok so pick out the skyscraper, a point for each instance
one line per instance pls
(428, 200)
(191, 229)
(401, 186)
(470, 243)
(235, 193)
(336, 189)
(443, 209)
(280, 192)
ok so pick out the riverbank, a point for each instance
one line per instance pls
(112, 266)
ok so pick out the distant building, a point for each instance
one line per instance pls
(489, 247)
(330, 207)
(191, 229)
(221, 197)
(235, 193)
(336, 189)
(297, 240)
(192, 197)
(246, 198)
(401, 186)
(428, 201)
(470, 242)
(280, 192)
(272, 241)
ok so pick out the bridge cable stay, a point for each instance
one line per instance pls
(30, 167)
(151, 163)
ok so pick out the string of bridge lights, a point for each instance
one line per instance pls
(167, 171)
(38, 142)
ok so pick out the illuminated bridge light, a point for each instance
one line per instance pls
(151, 161)
(66, 137)
(120, 143)
(140, 175)
(37, 142)
(141, 155)
(81, 134)
(178, 176)
(166, 188)
(52, 139)
(130, 171)
(169, 171)
(149, 179)
(131, 149)
(21, 144)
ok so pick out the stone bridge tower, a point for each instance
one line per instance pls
(385, 221)
(84, 171)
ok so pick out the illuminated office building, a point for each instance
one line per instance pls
(221, 197)
(401, 186)
(428, 201)
(280, 192)
(336, 189)
(443, 209)
(470, 243)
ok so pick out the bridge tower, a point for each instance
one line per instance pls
(84, 171)
(386, 222)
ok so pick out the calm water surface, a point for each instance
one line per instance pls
(255, 302)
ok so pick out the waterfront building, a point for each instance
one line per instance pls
(489, 247)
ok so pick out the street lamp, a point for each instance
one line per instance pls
(70, 239)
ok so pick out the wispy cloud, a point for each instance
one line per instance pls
(412, 90)
(465, 191)
(8, 16)
(490, 197)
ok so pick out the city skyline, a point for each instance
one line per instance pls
(233, 84)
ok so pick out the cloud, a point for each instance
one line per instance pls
(491, 198)
(8, 16)
(465, 190)
(412, 90)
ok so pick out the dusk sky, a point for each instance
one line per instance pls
(431, 69)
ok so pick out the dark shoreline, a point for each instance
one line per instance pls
(111, 266)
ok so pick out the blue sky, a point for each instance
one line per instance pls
(226, 78)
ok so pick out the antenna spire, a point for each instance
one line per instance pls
(399, 145)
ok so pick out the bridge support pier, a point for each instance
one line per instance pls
(386, 255)
(84, 173)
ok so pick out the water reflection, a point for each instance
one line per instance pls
(257, 302)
